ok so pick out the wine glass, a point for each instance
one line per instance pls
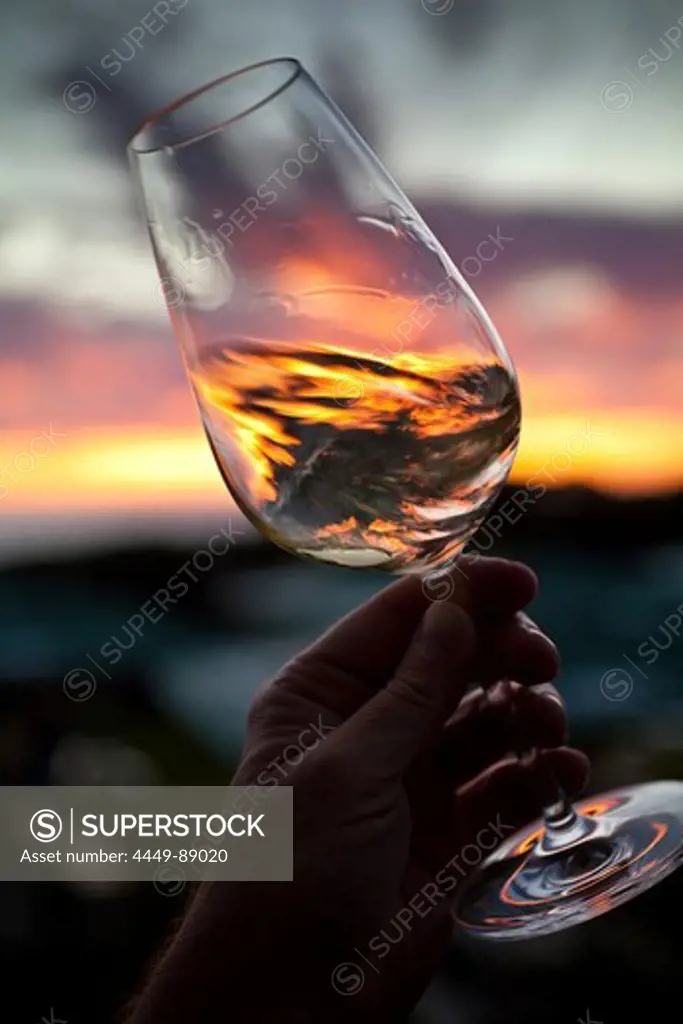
(360, 405)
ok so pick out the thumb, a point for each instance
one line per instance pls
(386, 734)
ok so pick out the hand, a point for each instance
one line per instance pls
(409, 771)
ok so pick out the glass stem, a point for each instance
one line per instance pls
(563, 826)
(559, 814)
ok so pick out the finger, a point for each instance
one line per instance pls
(516, 649)
(488, 726)
(355, 658)
(394, 726)
(518, 791)
(488, 587)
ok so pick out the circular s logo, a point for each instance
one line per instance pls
(46, 826)
(169, 881)
(79, 97)
(347, 979)
(616, 684)
(438, 585)
(616, 97)
(79, 684)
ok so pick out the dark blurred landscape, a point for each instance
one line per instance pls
(173, 709)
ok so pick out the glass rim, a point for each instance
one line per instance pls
(156, 118)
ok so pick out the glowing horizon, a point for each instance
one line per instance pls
(587, 352)
(155, 467)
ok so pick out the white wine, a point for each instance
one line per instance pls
(352, 460)
(362, 407)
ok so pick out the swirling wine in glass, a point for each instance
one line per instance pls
(361, 406)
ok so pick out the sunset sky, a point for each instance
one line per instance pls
(501, 111)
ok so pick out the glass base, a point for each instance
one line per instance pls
(538, 882)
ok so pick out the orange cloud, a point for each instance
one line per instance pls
(586, 353)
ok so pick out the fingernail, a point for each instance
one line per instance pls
(547, 691)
